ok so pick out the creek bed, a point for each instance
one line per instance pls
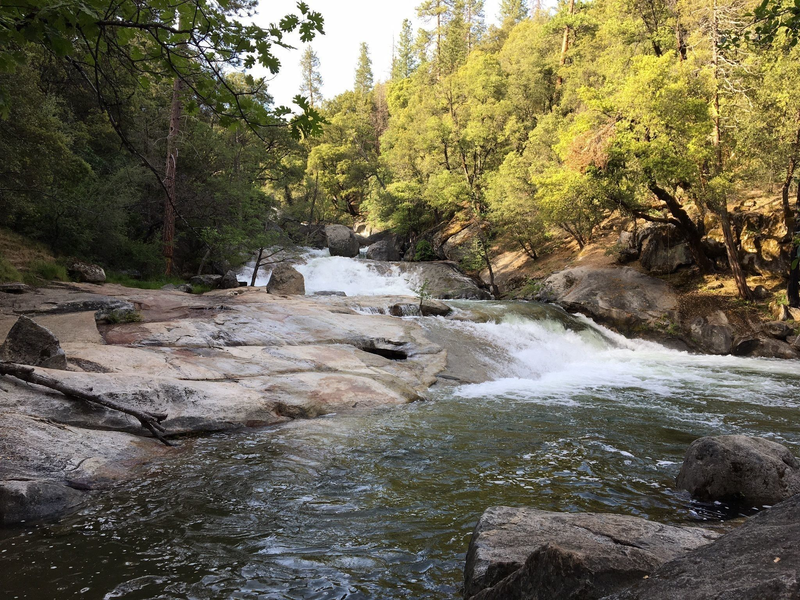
(382, 505)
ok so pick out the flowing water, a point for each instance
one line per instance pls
(382, 505)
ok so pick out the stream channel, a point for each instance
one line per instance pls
(382, 505)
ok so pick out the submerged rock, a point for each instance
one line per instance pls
(530, 554)
(763, 347)
(758, 561)
(286, 281)
(342, 241)
(22, 501)
(736, 468)
(28, 343)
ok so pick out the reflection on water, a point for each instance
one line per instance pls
(382, 505)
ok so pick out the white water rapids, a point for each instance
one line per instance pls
(326, 273)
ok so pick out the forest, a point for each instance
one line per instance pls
(134, 136)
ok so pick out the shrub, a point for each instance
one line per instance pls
(424, 251)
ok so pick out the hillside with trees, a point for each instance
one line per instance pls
(531, 132)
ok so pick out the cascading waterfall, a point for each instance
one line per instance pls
(354, 277)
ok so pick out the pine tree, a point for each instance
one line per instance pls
(311, 84)
(475, 20)
(364, 80)
(513, 11)
(405, 60)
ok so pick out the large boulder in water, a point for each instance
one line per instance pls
(758, 561)
(28, 343)
(443, 279)
(386, 250)
(735, 468)
(525, 553)
(342, 241)
(286, 281)
(713, 333)
(621, 297)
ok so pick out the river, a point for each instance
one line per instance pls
(382, 505)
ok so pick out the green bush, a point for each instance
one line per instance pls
(424, 251)
(8, 272)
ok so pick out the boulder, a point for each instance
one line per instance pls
(386, 249)
(460, 245)
(627, 249)
(744, 470)
(184, 287)
(286, 281)
(758, 561)
(760, 292)
(763, 347)
(430, 308)
(444, 279)
(15, 288)
(713, 334)
(28, 343)
(211, 281)
(23, 501)
(342, 241)
(530, 554)
(620, 297)
(778, 330)
(663, 249)
(85, 272)
(229, 281)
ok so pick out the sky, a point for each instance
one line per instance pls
(347, 24)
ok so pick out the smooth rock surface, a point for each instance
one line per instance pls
(286, 281)
(735, 468)
(216, 362)
(28, 343)
(621, 297)
(758, 561)
(525, 553)
(342, 241)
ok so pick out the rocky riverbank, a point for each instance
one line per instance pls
(220, 361)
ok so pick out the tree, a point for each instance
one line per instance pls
(404, 61)
(363, 80)
(513, 10)
(311, 85)
(114, 46)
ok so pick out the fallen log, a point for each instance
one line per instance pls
(150, 421)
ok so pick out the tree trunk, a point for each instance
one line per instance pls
(152, 421)
(256, 267)
(693, 235)
(793, 289)
(565, 44)
(733, 256)
(169, 179)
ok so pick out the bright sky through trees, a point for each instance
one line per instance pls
(347, 24)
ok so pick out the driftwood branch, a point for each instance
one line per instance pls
(151, 421)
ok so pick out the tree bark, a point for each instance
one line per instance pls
(733, 256)
(565, 44)
(151, 421)
(693, 235)
(169, 179)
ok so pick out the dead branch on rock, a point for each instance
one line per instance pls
(151, 421)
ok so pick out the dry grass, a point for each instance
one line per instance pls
(21, 252)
